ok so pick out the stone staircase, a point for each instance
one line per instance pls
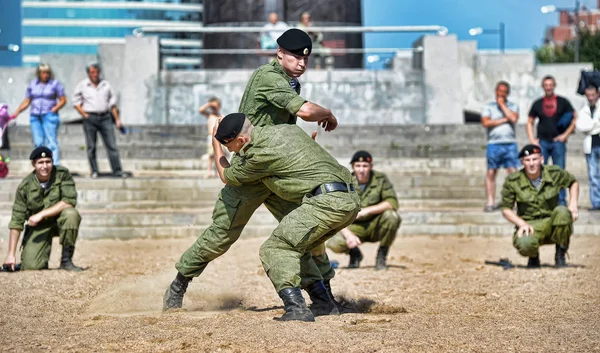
(169, 197)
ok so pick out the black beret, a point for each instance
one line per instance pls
(40, 152)
(529, 149)
(295, 41)
(230, 127)
(361, 156)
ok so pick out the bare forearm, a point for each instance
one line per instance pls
(23, 106)
(488, 122)
(529, 130)
(204, 109)
(81, 111)
(574, 194)
(512, 217)
(13, 241)
(61, 103)
(115, 113)
(379, 208)
(509, 114)
(571, 127)
(220, 161)
(346, 232)
(55, 210)
(313, 112)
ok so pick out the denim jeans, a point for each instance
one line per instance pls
(103, 124)
(558, 151)
(593, 163)
(44, 129)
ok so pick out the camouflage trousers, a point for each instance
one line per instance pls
(556, 229)
(304, 229)
(37, 241)
(383, 229)
(231, 213)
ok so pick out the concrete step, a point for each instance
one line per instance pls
(472, 167)
(124, 233)
(202, 217)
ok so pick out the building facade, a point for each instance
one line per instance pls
(75, 26)
(560, 34)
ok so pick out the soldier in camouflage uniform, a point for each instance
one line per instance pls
(295, 168)
(271, 98)
(377, 221)
(539, 218)
(46, 199)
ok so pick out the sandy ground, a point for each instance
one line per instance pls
(437, 296)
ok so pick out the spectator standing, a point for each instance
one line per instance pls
(212, 111)
(272, 30)
(588, 123)
(46, 96)
(95, 99)
(557, 120)
(500, 117)
(316, 37)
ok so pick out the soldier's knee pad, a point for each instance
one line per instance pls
(391, 217)
(70, 217)
(561, 216)
(527, 246)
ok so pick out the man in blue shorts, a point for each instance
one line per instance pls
(500, 117)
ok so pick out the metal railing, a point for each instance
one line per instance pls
(172, 53)
(439, 30)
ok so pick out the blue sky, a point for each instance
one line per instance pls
(525, 24)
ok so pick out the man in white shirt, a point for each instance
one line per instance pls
(273, 30)
(588, 123)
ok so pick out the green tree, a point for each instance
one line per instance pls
(589, 50)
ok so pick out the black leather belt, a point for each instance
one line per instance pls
(331, 187)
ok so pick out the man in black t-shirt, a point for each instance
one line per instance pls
(556, 123)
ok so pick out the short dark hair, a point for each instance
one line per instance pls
(503, 83)
(592, 87)
(549, 77)
(94, 66)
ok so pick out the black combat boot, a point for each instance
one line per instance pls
(559, 257)
(355, 258)
(380, 261)
(295, 306)
(322, 302)
(66, 260)
(173, 298)
(534, 262)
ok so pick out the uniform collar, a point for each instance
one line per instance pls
(546, 178)
(280, 69)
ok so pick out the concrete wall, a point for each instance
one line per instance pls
(443, 79)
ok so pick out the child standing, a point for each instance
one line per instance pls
(212, 111)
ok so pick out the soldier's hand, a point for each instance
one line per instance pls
(352, 241)
(10, 261)
(574, 212)
(329, 123)
(525, 230)
(35, 220)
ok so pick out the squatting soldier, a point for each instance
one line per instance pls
(271, 98)
(539, 218)
(46, 199)
(377, 221)
(292, 165)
